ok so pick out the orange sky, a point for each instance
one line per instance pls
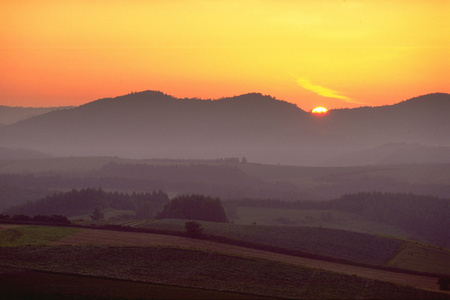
(312, 53)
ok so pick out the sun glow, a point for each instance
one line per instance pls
(319, 110)
(338, 53)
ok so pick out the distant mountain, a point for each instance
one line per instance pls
(13, 114)
(422, 120)
(155, 125)
(9, 153)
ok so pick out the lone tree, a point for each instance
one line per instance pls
(97, 215)
(193, 229)
(194, 207)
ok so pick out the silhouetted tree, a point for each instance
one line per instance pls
(97, 215)
(193, 229)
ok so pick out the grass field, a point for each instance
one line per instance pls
(206, 270)
(16, 236)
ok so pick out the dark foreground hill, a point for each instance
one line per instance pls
(155, 125)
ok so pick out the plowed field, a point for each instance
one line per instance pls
(97, 237)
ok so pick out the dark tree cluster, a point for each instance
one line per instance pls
(194, 207)
(83, 201)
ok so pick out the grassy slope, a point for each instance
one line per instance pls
(33, 235)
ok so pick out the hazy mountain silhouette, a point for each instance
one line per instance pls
(9, 153)
(13, 114)
(155, 125)
(422, 120)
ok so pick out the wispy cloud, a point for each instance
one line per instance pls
(323, 91)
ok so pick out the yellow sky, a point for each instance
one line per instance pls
(328, 53)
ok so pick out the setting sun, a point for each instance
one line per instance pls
(319, 110)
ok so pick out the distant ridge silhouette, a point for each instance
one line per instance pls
(152, 124)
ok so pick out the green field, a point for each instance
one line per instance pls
(33, 235)
(205, 270)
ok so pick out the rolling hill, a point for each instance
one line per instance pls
(155, 125)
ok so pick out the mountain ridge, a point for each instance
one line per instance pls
(151, 124)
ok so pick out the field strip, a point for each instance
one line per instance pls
(96, 237)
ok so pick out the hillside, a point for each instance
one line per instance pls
(155, 125)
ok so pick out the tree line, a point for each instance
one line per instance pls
(83, 201)
(194, 207)
(145, 205)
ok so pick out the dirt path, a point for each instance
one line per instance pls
(116, 238)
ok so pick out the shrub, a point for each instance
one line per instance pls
(193, 229)
(444, 283)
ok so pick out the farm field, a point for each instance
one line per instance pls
(383, 251)
(206, 270)
(33, 285)
(339, 244)
(94, 246)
